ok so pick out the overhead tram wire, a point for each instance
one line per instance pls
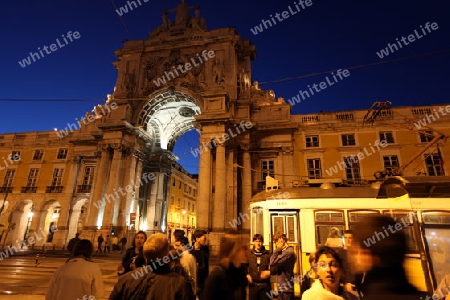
(122, 20)
(357, 66)
(262, 82)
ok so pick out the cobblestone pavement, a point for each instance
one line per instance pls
(21, 279)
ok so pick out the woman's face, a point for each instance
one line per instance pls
(139, 240)
(329, 272)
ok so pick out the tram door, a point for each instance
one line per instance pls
(288, 223)
(437, 236)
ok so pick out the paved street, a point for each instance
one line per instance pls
(20, 279)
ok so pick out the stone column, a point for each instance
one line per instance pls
(204, 189)
(101, 179)
(246, 187)
(112, 194)
(135, 204)
(129, 186)
(218, 218)
(71, 189)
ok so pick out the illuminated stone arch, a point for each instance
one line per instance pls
(48, 216)
(74, 217)
(168, 115)
(19, 219)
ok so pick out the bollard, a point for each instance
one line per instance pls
(37, 260)
(54, 246)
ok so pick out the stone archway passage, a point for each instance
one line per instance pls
(167, 116)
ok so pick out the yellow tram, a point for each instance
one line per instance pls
(306, 215)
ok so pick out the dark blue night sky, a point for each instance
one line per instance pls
(326, 35)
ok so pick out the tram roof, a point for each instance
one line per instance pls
(306, 192)
(392, 187)
(416, 187)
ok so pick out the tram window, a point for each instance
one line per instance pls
(257, 220)
(436, 218)
(358, 216)
(278, 224)
(286, 224)
(324, 231)
(438, 241)
(329, 217)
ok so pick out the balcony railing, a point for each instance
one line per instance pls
(84, 188)
(6, 189)
(29, 189)
(54, 189)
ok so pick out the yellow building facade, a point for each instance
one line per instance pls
(181, 213)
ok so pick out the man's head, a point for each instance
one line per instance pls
(181, 243)
(258, 241)
(83, 248)
(200, 237)
(377, 242)
(156, 246)
(77, 235)
(328, 267)
(348, 237)
(280, 239)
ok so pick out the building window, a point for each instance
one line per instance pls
(179, 203)
(312, 141)
(32, 177)
(434, 165)
(88, 177)
(348, 140)
(387, 136)
(193, 207)
(57, 176)
(9, 176)
(352, 168)
(314, 168)
(173, 181)
(88, 180)
(15, 155)
(180, 185)
(390, 162)
(38, 154)
(62, 153)
(56, 186)
(267, 168)
(31, 181)
(426, 136)
(173, 200)
(189, 206)
(7, 181)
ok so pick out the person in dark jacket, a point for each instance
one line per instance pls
(201, 253)
(134, 256)
(73, 242)
(282, 264)
(258, 270)
(157, 280)
(228, 281)
(379, 250)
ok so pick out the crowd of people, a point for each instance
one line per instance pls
(153, 268)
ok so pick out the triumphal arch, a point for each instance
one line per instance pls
(186, 76)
